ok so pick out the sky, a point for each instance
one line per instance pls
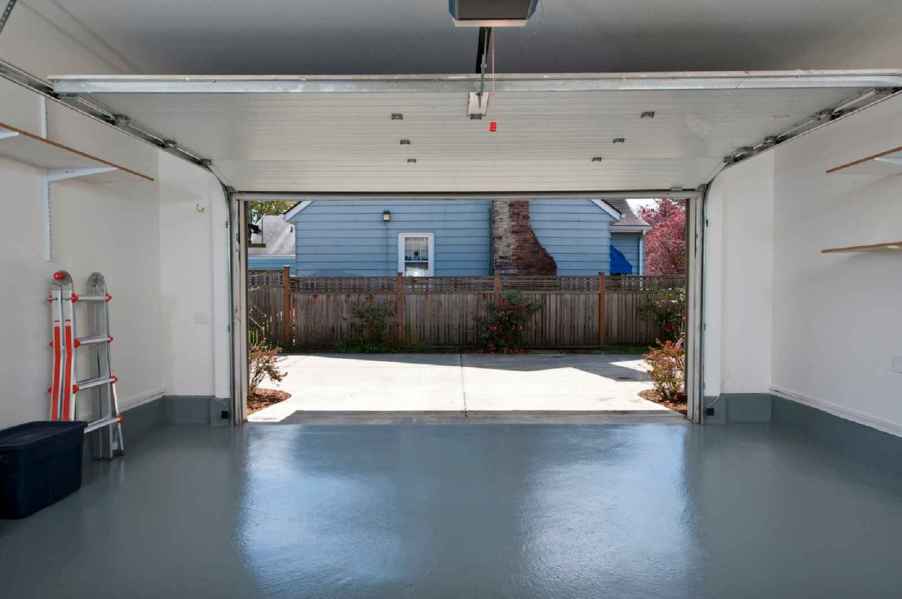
(636, 203)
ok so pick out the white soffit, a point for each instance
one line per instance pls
(336, 134)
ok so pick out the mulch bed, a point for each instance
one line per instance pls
(676, 406)
(264, 398)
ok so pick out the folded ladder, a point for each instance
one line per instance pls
(65, 388)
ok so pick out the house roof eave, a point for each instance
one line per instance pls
(297, 209)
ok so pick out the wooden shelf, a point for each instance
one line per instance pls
(890, 246)
(884, 163)
(30, 149)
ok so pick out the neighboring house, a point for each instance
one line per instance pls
(271, 244)
(465, 237)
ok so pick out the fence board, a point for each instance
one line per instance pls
(444, 311)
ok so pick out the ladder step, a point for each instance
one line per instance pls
(95, 382)
(102, 423)
(92, 340)
(91, 298)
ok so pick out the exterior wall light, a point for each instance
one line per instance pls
(386, 216)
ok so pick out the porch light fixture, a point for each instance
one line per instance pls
(411, 161)
(597, 158)
(397, 116)
(648, 114)
(618, 140)
(405, 142)
(386, 216)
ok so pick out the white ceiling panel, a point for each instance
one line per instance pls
(545, 140)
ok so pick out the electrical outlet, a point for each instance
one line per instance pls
(897, 364)
(224, 415)
(709, 411)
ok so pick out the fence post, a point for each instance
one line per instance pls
(286, 306)
(497, 287)
(399, 306)
(602, 308)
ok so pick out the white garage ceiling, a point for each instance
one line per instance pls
(309, 135)
(417, 36)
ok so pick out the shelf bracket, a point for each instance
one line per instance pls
(63, 174)
(54, 176)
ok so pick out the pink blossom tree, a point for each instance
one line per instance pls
(665, 242)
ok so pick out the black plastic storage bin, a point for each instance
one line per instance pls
(40, 463)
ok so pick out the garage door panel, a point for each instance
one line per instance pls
(544, 139)
(498, 175)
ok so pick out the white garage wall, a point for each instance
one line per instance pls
(163, 250)
(24, 356)
(96, 228)
(782, 317)
(171, 336)
(838, 318)
(109, 229)
(739, 278)
(194, 279)
(113, 230)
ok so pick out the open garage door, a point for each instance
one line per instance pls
(609, 135)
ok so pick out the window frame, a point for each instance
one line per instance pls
(430, 239)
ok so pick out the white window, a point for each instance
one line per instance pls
(416, 254)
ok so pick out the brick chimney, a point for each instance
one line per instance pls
(515, 248)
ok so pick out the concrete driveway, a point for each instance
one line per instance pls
(461, 383)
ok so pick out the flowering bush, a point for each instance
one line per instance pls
(668, 367)
(263, 362)
(504, 327)
(667, 308)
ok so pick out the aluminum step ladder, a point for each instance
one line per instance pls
(65, 389)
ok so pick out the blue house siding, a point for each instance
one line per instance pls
(349, 237)
(269, 262)
(575, 232)
(628, 245)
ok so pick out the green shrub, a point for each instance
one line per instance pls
(668, 366)
(667, 308)
(370, 327)
(504, 327)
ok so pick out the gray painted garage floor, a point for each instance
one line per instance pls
(462, 383)
(471, 511)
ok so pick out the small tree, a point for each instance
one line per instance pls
(504, 327)
(263, 362)
(665, 243)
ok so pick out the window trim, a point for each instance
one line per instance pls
(430, 237)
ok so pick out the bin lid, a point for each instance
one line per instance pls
(33, 432)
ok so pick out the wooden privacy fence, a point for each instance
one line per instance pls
(443, 312)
